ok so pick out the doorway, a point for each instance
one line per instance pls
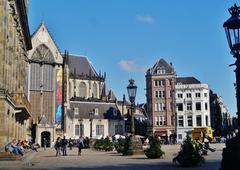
(45, 135)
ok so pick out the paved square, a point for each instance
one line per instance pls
(99, 160)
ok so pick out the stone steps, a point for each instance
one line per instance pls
(6, 156)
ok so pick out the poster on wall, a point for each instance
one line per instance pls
(58, 115)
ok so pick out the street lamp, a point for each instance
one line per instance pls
(132, 90)
(80, 120)
(133, 144)
(91, 115)
(231, 154)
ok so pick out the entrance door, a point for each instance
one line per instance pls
(45, 135)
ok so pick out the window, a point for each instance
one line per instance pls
(206, 106)
(161, 82)
(156, 121)
(205, 94)
(170, 92)
(170, 82)
(81, 129)
(206, 119)
(161, 70)
(198, 105)
(161, 94)
(189, 95)
(95, 110)
(82, 89)
(180, 136)
(95, 90)
(180, 121)
(77, 130)
(197, 95)
(161, 106)
(99, 130)
(189, 120)
(162, 120)
(156, 83)
(180, 95)
(156, 94)
(180, 106)
(170, 106)
(156, 106)
(189, 106)
(199, 120)
(76, 111)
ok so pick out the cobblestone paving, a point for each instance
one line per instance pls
(91, 159)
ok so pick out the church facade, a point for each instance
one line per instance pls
(45, 75)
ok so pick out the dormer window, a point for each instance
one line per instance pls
(161, 70)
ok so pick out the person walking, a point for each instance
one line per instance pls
(64, 146)
(70, 143)
(57, 146)
(45, 143)
(80, 145)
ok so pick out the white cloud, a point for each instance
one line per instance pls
(131, 66)
(145, 19)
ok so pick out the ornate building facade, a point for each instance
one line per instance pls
(14, 43)
(45, 77)
(92, 111)
(160, 84)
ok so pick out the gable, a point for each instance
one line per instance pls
(41, 39)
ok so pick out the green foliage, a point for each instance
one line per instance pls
(103, 144)
(190, 154)
(119, 145)
(154, 151)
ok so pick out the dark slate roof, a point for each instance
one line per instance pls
(82, 65)
(105, 110)
(187, 80)
(162, 64)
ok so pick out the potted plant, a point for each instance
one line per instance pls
(189, 154)
(154, 151)
(119, 145)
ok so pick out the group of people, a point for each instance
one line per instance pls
(19, 148)
(61, 145)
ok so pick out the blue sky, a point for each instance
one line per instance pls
(123, 38)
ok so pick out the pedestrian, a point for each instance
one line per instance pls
(70, 143)
(45, 143)
(80, 145)
(57, 146)
(64, 146)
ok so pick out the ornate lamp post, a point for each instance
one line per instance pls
(231, 154)
(91, 115)
(132, 90)
(80, 120)
(134, 144)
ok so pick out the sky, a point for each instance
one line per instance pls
(126, 37)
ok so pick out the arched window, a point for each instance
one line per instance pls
(82, 90)
(95, 90)
(41, 75)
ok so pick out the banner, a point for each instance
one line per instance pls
(58, 115)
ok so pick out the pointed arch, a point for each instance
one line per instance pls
(95, 90)
(43, 54)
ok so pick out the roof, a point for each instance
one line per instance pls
(187, 80)
(82, 65)
(105, 110)
(162, 64)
